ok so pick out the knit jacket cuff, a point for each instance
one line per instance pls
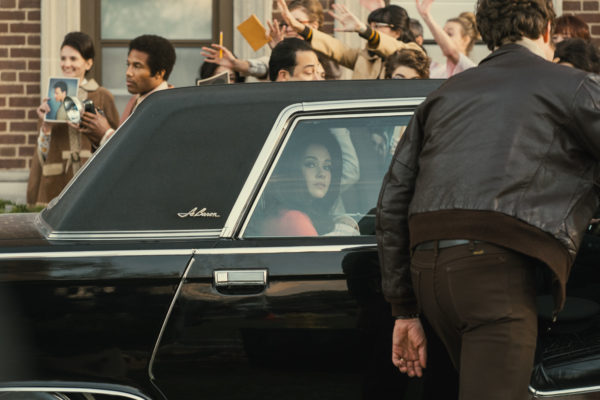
(372, 37)
(307, 33)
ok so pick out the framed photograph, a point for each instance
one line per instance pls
(58, 90)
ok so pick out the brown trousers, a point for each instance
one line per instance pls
(480, 300)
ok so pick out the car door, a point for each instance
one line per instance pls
(276, 310)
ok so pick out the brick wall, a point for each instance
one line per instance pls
(589, 11)
(19, 81)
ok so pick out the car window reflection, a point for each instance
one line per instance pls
(327, 180)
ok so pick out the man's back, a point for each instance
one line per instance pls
(509, 136)
(494, 177)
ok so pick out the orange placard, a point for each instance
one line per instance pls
(254, 32)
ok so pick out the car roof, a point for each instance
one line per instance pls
(193, 147)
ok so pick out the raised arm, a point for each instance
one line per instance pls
(448, 47)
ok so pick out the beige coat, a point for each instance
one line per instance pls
(367, 63)
(68, 151)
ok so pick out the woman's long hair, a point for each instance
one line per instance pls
(287, 188)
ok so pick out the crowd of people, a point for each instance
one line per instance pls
(300, 50)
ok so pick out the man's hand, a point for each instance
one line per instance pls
(288, 17)
(409, 347)
(94, 126)
(349, 21)
(212, 56)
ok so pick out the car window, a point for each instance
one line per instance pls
(326, 179)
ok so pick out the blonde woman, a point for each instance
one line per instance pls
(456, 40)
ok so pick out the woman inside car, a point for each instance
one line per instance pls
(303, 190)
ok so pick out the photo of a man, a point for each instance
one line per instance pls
(58, 90)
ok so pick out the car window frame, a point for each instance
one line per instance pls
(277, 139)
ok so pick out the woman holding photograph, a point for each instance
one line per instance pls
(63, 148)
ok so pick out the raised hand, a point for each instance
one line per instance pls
(424, 7)
(288, 17)
(350, 23)
(212, 55)
(275, 33)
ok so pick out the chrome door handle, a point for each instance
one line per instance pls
(240, 281)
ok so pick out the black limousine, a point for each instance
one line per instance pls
(221, 245)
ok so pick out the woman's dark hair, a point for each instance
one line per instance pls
(580, 53)
(573, 27)
(397, 18)
(82, 43)
(61, 85)
(468, 23)
(207, 69)
(287, 189)
(414, 59)
(507, 21)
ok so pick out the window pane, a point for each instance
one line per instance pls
(114, 66)
(174, 19)
(327, 179)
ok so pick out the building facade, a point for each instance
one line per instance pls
(31, 32)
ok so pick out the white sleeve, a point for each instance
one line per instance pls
(350, 164)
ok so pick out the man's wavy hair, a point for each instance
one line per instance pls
(507, 21)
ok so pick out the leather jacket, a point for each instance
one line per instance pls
(515, 139)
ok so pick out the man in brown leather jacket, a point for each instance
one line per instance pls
(494, 177)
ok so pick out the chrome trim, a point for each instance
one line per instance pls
(362, 104)
(66, 389)
(258, 169)
(288, 249)
(132, 235)
(563, 392)
(167, 317)
(190, 252)
(252, 184)
(236, 277)
(98, 253)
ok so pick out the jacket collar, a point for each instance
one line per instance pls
(523, 48)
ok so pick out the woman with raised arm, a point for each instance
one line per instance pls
(456, 40)
(386, 32)
(309, 12)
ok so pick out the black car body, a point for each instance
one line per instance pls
(146, 278)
